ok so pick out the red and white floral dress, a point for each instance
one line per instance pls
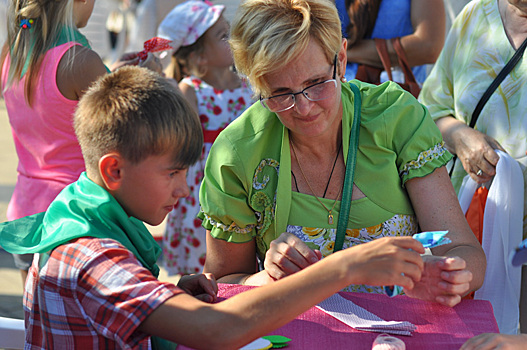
(184, 238)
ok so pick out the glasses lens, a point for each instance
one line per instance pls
(279, 103)
(321, 91)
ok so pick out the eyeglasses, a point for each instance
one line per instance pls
(316, 92)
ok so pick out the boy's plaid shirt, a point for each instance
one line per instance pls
(91, 293)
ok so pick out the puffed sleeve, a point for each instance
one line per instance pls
(224, 194)
(403, 127)
(416, 139)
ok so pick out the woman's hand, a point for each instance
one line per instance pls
(288, 254)
(444, 280)
(475, 149)
(489, 341)
(202, 286)
(477, 152)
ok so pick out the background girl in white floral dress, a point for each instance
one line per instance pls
(202, 55)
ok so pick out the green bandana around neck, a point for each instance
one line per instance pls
(82, 209)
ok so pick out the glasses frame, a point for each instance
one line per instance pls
(294, 94)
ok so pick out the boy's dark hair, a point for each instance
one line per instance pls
(137, 113)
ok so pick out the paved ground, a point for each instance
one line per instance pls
(10, 281)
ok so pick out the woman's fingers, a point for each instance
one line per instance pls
(288, 254)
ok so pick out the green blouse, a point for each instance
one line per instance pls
(246, 190)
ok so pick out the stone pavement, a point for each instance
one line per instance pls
(10, 280)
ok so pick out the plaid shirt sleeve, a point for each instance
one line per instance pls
(94, 293)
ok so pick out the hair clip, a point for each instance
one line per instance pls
(26, 23)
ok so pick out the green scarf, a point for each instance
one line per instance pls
(82, 209)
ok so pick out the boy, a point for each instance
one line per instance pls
(94, 284)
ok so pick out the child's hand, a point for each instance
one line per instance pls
(201, 286)
(153, 63)
(386, 261)
(127, 59)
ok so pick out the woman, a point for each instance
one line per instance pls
(274, 176)
(483, 38)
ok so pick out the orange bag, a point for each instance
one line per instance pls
(476, 210)
(474, 216)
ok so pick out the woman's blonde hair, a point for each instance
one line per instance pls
(137, 113)
(26, 46)
(266, 35)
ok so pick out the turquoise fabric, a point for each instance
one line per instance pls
(65, 36)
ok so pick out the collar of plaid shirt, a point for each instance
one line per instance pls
(82, 209)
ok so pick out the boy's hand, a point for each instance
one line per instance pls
(201, 286)
(386, 261)
(444, 280)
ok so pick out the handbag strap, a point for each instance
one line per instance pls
(492, 87)
(347, 187)
(382, 51)
(497, 81)
(409, 76)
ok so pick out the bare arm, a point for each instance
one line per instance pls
(234, 262)
(247, 316)
(437, 208)
(74, 79)
(422, 46)
(473, 148)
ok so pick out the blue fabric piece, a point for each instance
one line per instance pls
(432, 239)
(393, 20)
(429, 239)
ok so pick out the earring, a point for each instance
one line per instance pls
(343, 79)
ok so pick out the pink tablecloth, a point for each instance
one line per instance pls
(438, 327)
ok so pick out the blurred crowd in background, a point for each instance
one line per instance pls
(118, 26)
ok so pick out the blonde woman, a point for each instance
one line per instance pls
(276, 173)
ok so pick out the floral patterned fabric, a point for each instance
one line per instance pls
(184, 238)
(323, 239)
